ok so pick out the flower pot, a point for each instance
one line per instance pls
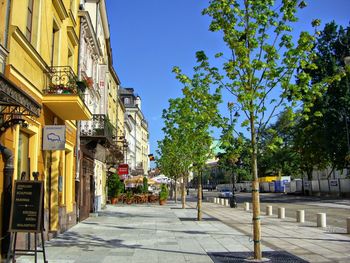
(162, 202)
(114, 200)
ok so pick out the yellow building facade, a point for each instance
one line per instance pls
(41, 38)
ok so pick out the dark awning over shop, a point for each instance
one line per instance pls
(15, 102)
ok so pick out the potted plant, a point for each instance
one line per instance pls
(114, 188)
(81, 84)
(163, 194)
(145, 185)
(128, 197)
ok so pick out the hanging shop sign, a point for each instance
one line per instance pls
(123, 169)
(54, 137)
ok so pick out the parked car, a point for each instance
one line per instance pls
(225, 193)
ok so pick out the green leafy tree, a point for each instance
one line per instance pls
(235, 156)
(277, 152)
(174, 151)
(201, 107)
(259, 70)
(322, 138)
(167, 160)
(188, 121)
(309, 144)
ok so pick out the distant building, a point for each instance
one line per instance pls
(137, 125)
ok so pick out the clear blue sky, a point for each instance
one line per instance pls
(149, 37)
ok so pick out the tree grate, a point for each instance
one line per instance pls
(195, 219)
(272, 256)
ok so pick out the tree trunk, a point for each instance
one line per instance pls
(176, 179)
(330, 173)
(255, 192)
(175, 194)
(199, 202)
(309, 173)
(183, 193)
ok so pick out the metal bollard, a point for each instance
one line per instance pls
(246, 206)
(348, 223)
(300, 216)
(222, 201)
(226, 202)
(281, 212)
(215, 200)
(269, 210)
(321, 220)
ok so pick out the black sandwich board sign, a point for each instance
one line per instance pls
(27, 205)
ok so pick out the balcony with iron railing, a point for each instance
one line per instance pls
(64, 94)
(99, 128)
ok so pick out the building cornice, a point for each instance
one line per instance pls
(89, 30)
(27, 46)
(104, 18)
(110, 62)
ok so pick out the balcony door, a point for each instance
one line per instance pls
(54, 44)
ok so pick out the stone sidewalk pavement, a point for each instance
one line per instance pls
(305, 240)
(153, 233)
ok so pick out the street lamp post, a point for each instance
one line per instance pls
(233, 201)
(125, 148)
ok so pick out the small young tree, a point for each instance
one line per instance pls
(175, 151)
(188, 121)
(202, 113)
(235, 149)
(260, 67)
(167, 161)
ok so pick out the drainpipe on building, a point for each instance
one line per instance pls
(97, 7)
(77, 172)
(7, 156)
(77, 142)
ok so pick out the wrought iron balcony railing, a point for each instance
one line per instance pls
(99, 127)
(115, 155)
(62, 80)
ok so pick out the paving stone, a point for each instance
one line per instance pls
(150, 233)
